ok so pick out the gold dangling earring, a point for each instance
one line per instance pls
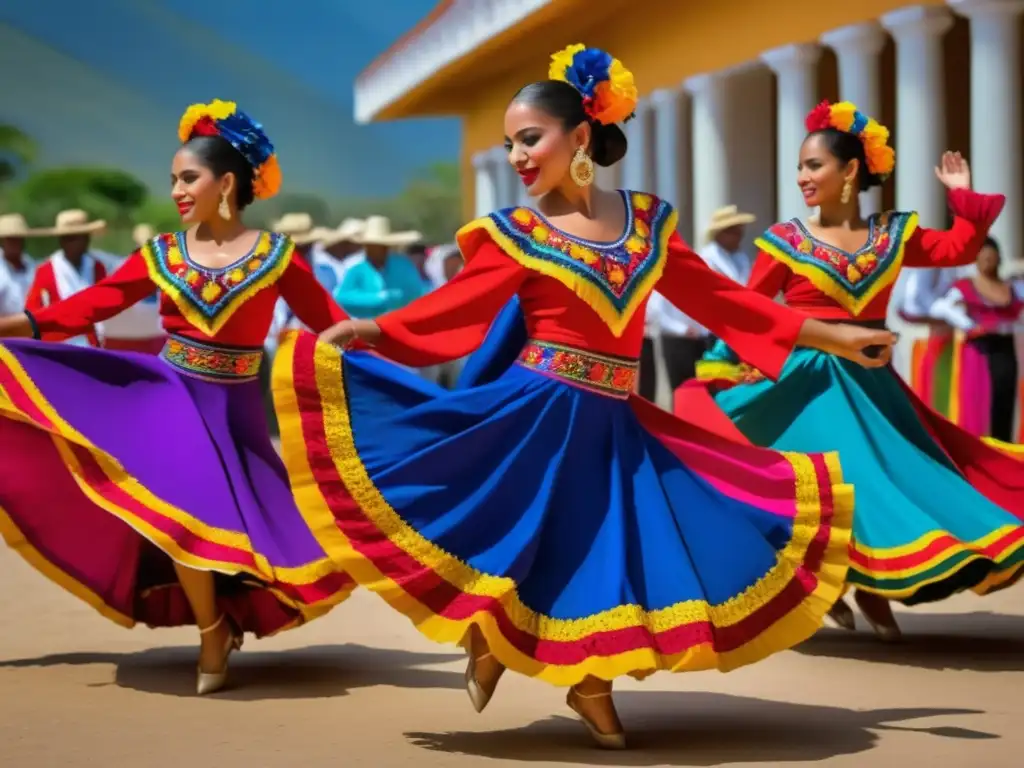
(581, 169)
(224, 209)
(847, 192)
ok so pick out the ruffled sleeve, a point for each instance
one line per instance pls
(973, 214)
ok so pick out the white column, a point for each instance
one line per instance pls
(634, 165)
(920, 108)
(667, 143)
(485, 183)
(997, 157)
(857, 48)
(504, 176)
(796, 74)
(710, 181)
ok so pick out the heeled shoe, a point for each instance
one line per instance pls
(480, 697)
(842, 616)
(603, 740)
(211, 682)
(886, 631)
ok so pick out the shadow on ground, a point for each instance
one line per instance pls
(704, 729)
(304, 673)
(981, 642)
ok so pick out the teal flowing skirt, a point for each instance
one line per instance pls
(923, 528)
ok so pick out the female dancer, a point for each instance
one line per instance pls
(149, 487)
(986, 308)
(549, 519)
(937, 510)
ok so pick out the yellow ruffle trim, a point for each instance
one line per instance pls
(834, 289)
(799, 624)
(212, 326)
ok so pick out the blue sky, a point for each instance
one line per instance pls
(104, 83)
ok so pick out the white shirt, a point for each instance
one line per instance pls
(951, 309)
(330, 271)
(664, 317)
(925, 286)
(14, 284)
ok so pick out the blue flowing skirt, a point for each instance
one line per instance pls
(583, 534)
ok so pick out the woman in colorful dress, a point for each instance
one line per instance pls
(986, 310)
(148, 487)
(938, 511)
(548, 519)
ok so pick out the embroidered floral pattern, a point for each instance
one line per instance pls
(211, 362)
(608, 375)
(208, 297)
(616, 269)
(851, 278)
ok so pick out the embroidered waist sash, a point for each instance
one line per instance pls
(604, 374)
(212, 362)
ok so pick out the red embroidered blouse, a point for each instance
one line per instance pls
(233, 306)
(827, 283)
(583, 294)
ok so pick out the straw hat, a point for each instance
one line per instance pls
(378, 232)
(75, 222)
(14, 225)
(729, 216)
(298, 227)
(142, 234)
(349, 230)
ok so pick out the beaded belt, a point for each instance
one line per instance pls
(210, 362)
(606, 375)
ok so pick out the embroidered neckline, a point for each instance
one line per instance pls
(627, 227)
(208, 297)
(850, 255)
(852, 279)
(613, 278)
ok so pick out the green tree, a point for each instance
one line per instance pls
(17, 151)
(432, 203)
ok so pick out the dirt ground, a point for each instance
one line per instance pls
(361, 688)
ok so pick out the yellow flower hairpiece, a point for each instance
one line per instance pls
(607, 87)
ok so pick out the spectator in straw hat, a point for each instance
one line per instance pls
(16, 266)
(684, 341)
(70, 269)
(138, 328)
(384, 280)
(336, 252)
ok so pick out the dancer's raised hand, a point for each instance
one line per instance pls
(953, 171)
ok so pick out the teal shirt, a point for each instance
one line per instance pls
(366, 292)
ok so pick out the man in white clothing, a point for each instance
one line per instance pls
(683, 340)
(16, 266)
(71, 269)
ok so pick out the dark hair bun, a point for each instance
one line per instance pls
(607, 144)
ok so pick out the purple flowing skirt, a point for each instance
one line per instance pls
(114, 463)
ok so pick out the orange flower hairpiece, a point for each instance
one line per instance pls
(844, 116)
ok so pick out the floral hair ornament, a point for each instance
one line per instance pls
(844, 116)
(225, 119)
(609, 94)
